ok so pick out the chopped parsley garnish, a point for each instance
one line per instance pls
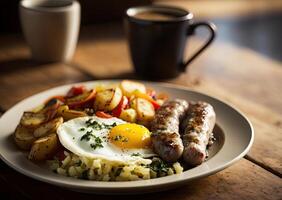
(93, 124)
(136, 154)
(118, 171)
(120, 138)
(97, 140)
(108, 126)
(78, 163)
(97, 144)
(159, 166)
(84, 175)
(96, 126)
(87, 136)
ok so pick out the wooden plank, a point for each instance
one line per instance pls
(244, 180)
(20, 77)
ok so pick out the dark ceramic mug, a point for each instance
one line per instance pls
(157, 43)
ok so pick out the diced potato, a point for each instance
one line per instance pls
(128, 87)
(44, 147)
(108, 99)
(31, 119)
(133, 103)
(138, 94)
(23, 137)
(145, 110)
(48, 127)
(129, 115)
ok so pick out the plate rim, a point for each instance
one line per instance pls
(121, 186)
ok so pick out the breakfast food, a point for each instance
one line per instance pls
(106, 138)
(165, 130)
(116, 132)
(198, 127)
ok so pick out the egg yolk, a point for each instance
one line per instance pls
(130, 136)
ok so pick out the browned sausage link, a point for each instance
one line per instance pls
(198, 128)
(165, 130)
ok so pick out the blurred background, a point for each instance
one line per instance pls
(256, 24)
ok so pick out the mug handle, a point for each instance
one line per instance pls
(191, 31)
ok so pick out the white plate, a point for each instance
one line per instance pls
(234, 139)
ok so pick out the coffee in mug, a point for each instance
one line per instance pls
(157, 38)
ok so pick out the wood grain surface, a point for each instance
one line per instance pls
(23, 77)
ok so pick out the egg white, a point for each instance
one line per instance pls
(70, 134)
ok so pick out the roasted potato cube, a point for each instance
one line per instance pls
(128, 87)
(129, 115)
(44, 148)
(48, 127)
(145, 110)
(23, 137)
(31, 119)
(108, 99)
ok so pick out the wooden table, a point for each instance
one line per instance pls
(238, 75)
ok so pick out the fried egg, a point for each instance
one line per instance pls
(108, 138)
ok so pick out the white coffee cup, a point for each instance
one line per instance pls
(51, 28)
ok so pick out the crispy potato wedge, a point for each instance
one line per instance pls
(23, 137)
(128, 87)
(129, 115)
(68, 114)
(31, 119)
(81, 100)
(43, 148)
(108, 99)
(145, 110)
(48, 127)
